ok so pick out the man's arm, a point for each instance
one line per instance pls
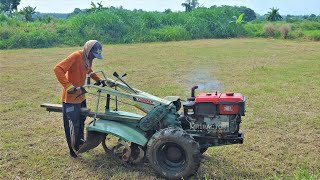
(94, 76)
(61, 69)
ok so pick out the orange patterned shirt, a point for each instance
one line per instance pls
(72, 72)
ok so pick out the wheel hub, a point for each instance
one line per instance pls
(174, 154)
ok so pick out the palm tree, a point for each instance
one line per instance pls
(273, 15)
(100, 6)
(190, 5)
(187, 5)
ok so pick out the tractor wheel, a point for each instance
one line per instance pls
(173, 153)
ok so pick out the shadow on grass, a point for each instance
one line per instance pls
(214, 167)
(108, 166)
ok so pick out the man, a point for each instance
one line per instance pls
(71, 73)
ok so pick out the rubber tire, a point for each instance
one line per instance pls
(185, 141)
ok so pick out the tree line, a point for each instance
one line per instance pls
(118, 25)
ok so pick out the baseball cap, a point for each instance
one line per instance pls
(97, 50)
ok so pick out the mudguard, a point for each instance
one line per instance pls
(119, 130)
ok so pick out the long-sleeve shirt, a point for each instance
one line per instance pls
(72, 72)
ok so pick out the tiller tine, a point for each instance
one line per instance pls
(93, 140)
(127, 153)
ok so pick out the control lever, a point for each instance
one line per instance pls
(115, 74)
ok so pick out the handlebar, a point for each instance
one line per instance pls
(95, 72)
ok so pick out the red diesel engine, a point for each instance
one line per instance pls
(213, 104)
(216, 115)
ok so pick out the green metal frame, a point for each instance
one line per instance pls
(121, 130)
(129, 94)
(122, 124)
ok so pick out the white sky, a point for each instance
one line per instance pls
(293, 7)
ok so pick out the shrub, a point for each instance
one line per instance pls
(269, 30)
(151, 20)
(5, 33)
(3, 17)
(112, 25)
(3, 45)
(46, 19)
(295, 34)
(197, 28)
(313, 35)
(309, 25)
(170, 33)
(284, 30)
(174, 18)
(35, 39)
(254, 29)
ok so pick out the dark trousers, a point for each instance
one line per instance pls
(73, 125)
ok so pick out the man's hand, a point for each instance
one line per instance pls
(103, 83)
(111, 84)
(99, 82)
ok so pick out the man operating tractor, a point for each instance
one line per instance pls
(71, 73)
(171, 140)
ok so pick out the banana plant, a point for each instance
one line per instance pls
(238, 20)
(28, 12)
(94, 7)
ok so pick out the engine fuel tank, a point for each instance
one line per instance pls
(226, 103)
(216, 98)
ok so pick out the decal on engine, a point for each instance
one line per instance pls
(223, 126)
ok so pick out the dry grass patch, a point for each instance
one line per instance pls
(280, 78)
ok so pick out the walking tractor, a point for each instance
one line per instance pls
(172, 141)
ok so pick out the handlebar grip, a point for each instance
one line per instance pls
(88, 80)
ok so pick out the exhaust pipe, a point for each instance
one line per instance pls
(192, 98)
(192, 90)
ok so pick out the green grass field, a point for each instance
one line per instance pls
(281, 80)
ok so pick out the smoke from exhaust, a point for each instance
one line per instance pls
(204, 80)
